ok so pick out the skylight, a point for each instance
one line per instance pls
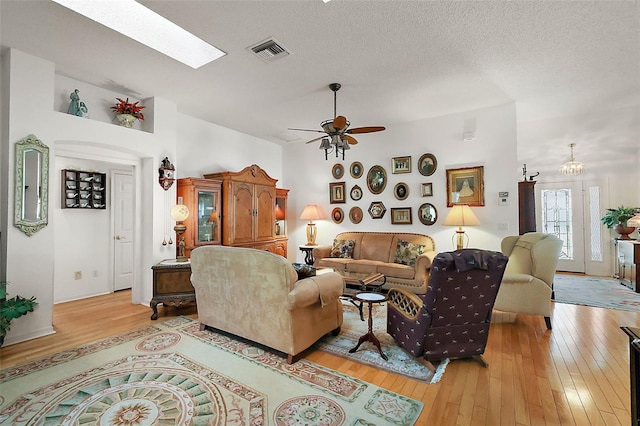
(147, 27)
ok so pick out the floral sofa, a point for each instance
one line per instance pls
(404, 258)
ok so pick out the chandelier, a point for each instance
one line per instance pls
(572, 167)
(334, 143)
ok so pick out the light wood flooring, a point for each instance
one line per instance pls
(578, 373)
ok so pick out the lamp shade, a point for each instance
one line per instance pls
(461, 215)
(311, 213)
(634, 222)
(179, 212)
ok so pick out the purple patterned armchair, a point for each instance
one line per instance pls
(452, 319)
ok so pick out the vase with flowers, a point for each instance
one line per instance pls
(127, 112)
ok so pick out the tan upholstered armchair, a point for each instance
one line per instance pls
(257, 295)
(528, 280)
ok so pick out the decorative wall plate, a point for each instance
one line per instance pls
(427, 164)
(337, 171)
(356, 169)
(356, 193)
(427, 214)
(355, 214)
(401, 191)
(376, 179)
(337, 215)
(377, 210)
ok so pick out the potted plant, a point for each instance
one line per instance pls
(127, 112)
(11, 309)
(617, 219)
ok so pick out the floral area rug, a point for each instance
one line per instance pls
(173, 373)
(399, 361)
(594, 291)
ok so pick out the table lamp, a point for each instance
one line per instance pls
(311, 213)
(180, 213)
(461, 215)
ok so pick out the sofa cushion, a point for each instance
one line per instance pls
(397, 270)
(342, 248)
(364, 266)
(406, 252)
(337, 263)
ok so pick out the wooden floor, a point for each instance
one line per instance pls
(578, 373)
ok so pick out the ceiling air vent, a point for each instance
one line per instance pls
(269, 50)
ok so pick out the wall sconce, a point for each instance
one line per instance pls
(180, 213)
(311, 213)
(461, 215)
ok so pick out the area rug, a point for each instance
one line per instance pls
(173, 373)
(399, 361)
(594, 291)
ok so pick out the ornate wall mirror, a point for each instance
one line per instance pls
(32, 185)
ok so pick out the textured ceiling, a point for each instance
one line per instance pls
(398, 61)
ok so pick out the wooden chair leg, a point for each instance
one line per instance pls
(427, 364)
(481, 360)
(547, 321)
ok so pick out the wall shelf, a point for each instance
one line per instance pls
(83, 190)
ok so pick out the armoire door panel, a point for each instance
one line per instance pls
(243, 213)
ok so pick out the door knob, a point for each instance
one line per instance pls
(118, 237)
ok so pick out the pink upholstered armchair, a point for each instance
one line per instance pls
(452, 319)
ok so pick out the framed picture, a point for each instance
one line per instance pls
(427, 214)
(376, 179)
(401, 191)
(465, 186)
(426, 189)
(337, 215)
(336, 193)
(427, 164)
(355, 193)
(356, 169)
(337, 171)
(401, 216)
(401, 164)
(377, 210)
(355, 214)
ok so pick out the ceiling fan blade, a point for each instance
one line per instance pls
(308, 130)
(340, 122)
(368, 129)
(350, 139)
(317, 139)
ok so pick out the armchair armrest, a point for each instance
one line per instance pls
(321, 288)
(320, 252)
(406, 303)
(511, 277)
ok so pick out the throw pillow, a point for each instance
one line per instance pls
(342, 248)
(304, 270)
(406, 252)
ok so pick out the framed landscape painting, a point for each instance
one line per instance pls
(465, 186)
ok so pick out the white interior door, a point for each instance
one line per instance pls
(123, 214)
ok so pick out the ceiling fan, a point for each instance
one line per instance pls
(337, 134)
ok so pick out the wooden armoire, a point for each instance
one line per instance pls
(249, 210)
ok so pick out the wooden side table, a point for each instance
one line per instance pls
(308, 254)
(370, 298)
(172, 285)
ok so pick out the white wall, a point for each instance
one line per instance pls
(37, 99)
(307, 174)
